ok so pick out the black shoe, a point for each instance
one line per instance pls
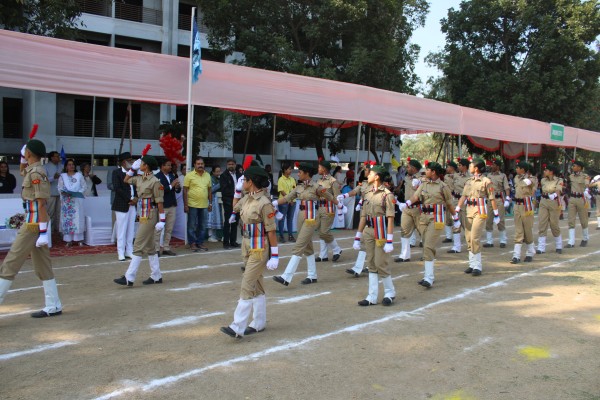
(570, 246)
(226, 246)
(528, 259)
(235, 245)
(452, 251)
(44, 314)
(447, 240)
(281, 280)
(488, 245)
(243, 269)
(308, 281)
(402, 259)
(539, 252)
(583, 243)
(151, 281)
(127, 258)
(158, 253)
(123, 281)
(365, 303)
(559, 251)
(515, 260)
(412, 246)
(228, 331)
(421, 244)
(351, 272)
(598, 228)
(122, 259)
(250, 331)
(387, 301)
(424, 283)
(319, 259)
(291, 238)
(502, 245)
(337, 256)
(281, 240)
(168, 253)
(476, 272)
(468, 270)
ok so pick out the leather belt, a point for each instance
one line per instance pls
(576, 195)
(456, 195)
(519, 201)
(498, 195)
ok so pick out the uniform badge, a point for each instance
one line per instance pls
(161, 187)
(35, 181)
(271, 215)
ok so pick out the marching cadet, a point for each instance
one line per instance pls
(327, 211)
(451, 168)
(477, 190)
(595, 188)
(259, 234)
(460, 179)
(549, 209)
(579, 202)
(501, 194)
(150, 192)
(309, 195)
(409, 221)
(378, 228)
(435, 198)
(525, 185)
(32, 238)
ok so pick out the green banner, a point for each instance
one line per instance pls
(557, 132)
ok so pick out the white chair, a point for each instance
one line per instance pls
(98, 221)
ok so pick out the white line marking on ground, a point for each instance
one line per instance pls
(30, 288)
(160, 382)
(37, 349)
(15, 313)
(480, 343)
(300, 298)
(193, 286)
(184, 320)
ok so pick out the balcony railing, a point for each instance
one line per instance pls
(11, 130)
(81, 127)
(96, 7)
(139, 130)
(131, 12)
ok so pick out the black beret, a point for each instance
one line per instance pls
(151, 162)
(37, 147)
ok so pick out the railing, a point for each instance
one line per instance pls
(131, 12)
(96, 7)
(139, 130)
(81, 127)
(11, 130)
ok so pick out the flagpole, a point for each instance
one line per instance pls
(190, 121)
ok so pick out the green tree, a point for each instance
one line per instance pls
(360, 41)
(56, 18)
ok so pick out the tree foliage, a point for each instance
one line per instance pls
(532, 58)
(56, 18)
(360, 41)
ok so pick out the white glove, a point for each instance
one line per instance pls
(239, 185)
(415, 183)
(356, 244)
(587, 194)
(278, 216)
(507, 202)
(402, 206)
(456, 224)
(137, 164)
(273, 262)
(457, 210)
(23, 159)
(341, 197)
(275, 204)
(232, 219)
(552, 196)
(344, 210)
(388, 247)
(527, 181)
(358, 206)
(596, 178)
(496, 217)
(42, 240)
(159, 226)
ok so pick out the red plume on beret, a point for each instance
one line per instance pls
(544, 166)
(34, 129)
(470, 158)
(488, 162)
(458, 159)
(297, 164)
(172, 148)
(320, 159)
(518, 161)
(426, 162)
(146, 149)
(247, 162)
(447, 161)
(573, 160)
(408, 159)
(371, 163)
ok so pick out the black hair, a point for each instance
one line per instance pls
(260, 182)
(7, 167)
(52, 153)
(66, 162)
(480, 165)
(162, 161)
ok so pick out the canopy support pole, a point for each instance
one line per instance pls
(190, 122)
(273, 149)
(526, 152)
(460, 146)
(93, 133)
(358, 132)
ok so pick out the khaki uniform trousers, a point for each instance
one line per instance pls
(461, 216)
(170, 215)
(430, 236)
(324, 222)
(523, 225)
(548, 214)
(577, 207)
(598, 205)
(144, 238)
(473, 228)
(377, 260)
(489, 223)
(304, 244)
(409, 221)
(256, 262)
(22, 247)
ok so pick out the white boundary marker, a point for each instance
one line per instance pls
(184, 320)
(300, 298)
(159, 382)
(38, 349)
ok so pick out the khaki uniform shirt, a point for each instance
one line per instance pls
(148, 187)
(330, 184)
(379, 202)
(579, 181)
(304, 191)
(500, 182)
(257, 208)
(553, 185)
(477, 187)
(459, 183)
(35, 182)
(522, 189)
(449, 181)
(434, 192)
(409, 191)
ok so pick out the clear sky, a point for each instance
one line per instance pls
(430, 38)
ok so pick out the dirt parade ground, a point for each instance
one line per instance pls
(526, 331)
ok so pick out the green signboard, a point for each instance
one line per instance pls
(557, 132)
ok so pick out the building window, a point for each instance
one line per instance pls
(12, 118)
(83, 120)
(121, 120)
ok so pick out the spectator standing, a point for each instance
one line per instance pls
(272, 185)
(339, 175)
(91, 180)
(171, 186)
(71, 186)
(350, 172)
(53, 169)
(8, 182)
(286, 185)
(197, 202)
(228, 180)
(215, 217)
(124, 206)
